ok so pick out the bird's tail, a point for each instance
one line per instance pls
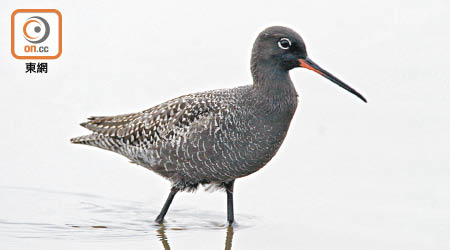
(97, 140)
(91, 139)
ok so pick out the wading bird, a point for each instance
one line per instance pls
(215, 137)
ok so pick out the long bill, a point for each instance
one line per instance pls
(309, 64)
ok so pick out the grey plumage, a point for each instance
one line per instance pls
(210, 137)
(217, 136)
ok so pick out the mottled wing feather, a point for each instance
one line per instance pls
(104, 124)
(167, 121)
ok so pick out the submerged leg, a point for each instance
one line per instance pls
(230, 212)
(166, 206)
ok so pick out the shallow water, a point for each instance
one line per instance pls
(63, 216)
(47, 219)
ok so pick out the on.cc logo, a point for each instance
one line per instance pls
(36, 34)
(36, 29)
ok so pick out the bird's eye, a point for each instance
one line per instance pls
(284, 43)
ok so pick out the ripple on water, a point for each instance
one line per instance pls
(36, 213)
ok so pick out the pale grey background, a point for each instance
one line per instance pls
(349, 175)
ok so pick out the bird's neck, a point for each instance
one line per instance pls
(274, 85)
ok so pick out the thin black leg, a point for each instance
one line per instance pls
(166, 206)
(229, 189)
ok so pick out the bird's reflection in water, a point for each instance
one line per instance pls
(161, 234)
(229, 238)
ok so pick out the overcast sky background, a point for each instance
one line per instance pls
(372, 176)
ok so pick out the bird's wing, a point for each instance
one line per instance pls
(167, 121)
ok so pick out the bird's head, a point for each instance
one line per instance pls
(280, 49)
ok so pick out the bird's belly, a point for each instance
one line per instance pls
(231, 153)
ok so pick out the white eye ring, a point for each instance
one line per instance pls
(282, 43)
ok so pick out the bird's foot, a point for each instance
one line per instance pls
(159, 220)
(232, 223)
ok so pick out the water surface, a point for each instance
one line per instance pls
(46, 215)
